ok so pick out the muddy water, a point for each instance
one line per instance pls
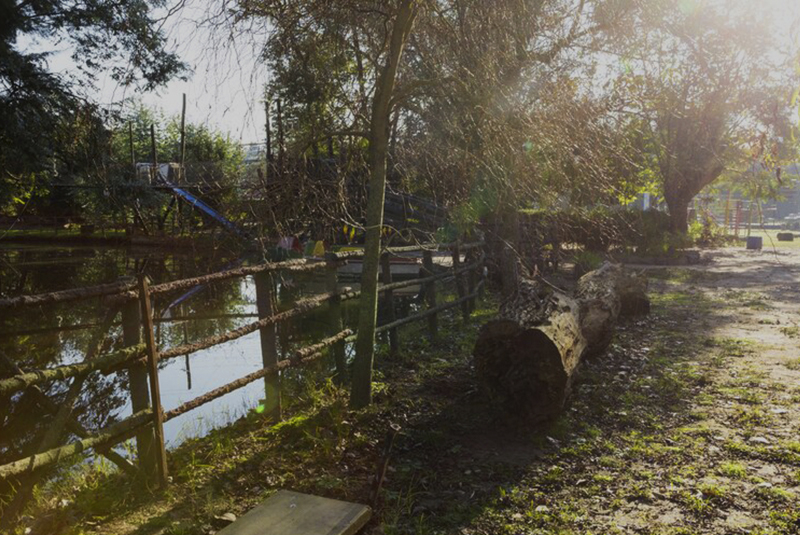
(43, 337)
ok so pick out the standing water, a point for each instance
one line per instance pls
(42, 337)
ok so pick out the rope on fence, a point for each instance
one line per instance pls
(126, 290)
(299, 265)
(425, 314)
(84, 326)
(113, 361)
(112, 434)
(416, 282)
(301, 307)
(104, 363)
(63, 296)
(73, 424)
(301, 356)
(342, 255)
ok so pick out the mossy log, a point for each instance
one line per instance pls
(527, 359)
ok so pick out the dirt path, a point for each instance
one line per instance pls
(689, 425)
(747, 471)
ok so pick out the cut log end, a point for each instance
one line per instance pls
(526, 361)
(531, 390)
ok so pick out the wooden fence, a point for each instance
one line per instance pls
(141, 355)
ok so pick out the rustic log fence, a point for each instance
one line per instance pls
(141, 356)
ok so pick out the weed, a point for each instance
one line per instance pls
(603, 478)
(733, 470)
(751, 417)
(774, 495)
(696, 504)
(791, 332)
(793, 364)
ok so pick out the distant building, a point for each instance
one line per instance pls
(254, 152)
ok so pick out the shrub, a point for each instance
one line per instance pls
(602, 228)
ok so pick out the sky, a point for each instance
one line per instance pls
(226, 86)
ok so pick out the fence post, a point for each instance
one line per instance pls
(386, 275)
(265, 302)
(335, 323)
(159, 451)
(137, 384)
(460, 282)
(430, 292)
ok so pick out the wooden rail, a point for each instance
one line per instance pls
(141, 359)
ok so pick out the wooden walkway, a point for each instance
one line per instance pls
(292, 513)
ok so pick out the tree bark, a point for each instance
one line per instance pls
(678, 214)
(526, 360)
(361, 394)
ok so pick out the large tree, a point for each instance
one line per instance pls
(710, 89)
(469, 81)
(361, 44)
(40, 108)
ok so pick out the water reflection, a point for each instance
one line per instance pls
(42, 337)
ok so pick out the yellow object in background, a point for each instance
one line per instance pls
(319, 248)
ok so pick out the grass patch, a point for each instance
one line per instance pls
(733, 470)
(791, 332)
(793, 364)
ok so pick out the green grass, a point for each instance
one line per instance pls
(733, 470)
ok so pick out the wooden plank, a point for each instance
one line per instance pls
(139, 389)
(160, 452)
(293, 513)
(265, 296)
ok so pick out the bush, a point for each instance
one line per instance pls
(600, 229)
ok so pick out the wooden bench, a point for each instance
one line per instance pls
(293, 513)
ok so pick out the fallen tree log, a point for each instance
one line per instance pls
(604, 295)
(527, 359)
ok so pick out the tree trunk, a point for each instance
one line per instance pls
(678, 214)
(527, 359)
(361, 394)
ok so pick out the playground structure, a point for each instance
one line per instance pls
(403, 211)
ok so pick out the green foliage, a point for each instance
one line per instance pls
(704, 109)
(601, 228)
(49, 132)
(707, 233)
(213, 166)
(203, 145)
(586, 261)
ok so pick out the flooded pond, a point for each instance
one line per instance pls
(42, 337)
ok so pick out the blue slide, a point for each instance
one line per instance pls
(203, 207)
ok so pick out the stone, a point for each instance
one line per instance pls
(226, 518)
